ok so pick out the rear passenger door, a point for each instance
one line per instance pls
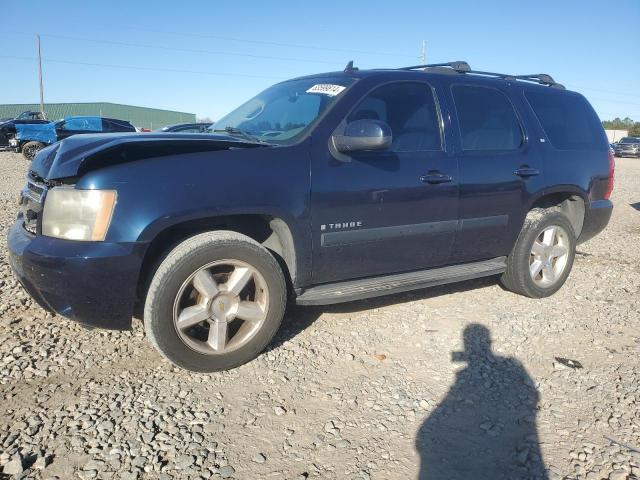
(500, 169)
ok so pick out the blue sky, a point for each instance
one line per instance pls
(207, 57)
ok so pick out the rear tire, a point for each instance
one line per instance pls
(543, 255)
(30, 149)
(215, 302)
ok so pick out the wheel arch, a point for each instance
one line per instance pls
(271, 232)
(569, 200)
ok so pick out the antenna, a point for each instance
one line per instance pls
(423, 52)
(350, 67)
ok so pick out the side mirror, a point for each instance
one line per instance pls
(362, 135)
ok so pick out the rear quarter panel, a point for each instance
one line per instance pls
(580, 171)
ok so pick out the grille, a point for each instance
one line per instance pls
(31, 203)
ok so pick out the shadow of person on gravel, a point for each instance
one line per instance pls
(485, 428)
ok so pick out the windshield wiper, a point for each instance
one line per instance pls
(241, 133)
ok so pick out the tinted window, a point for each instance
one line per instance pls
(568, 120)
(122, 126)
(188, 130)
(107, 126)
(486, 118)
(409, 109)
(87, 124)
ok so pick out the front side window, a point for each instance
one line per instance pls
(486, 119)
(283, 112)
(411, 112)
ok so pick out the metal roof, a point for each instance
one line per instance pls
(142, 117)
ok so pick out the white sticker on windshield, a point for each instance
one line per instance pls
(326, 89)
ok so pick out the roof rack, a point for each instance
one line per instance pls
(463, 67)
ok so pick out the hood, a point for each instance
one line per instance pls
(80, 154)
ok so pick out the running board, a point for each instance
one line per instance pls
(402, 282)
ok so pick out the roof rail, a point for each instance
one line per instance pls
(463, 67)
(458, 66)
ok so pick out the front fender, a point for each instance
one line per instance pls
(159, 193)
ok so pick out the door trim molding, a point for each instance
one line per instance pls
(376, 234)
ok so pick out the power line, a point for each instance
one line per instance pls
(577, 87)
(180, 49)
(614, 101)
(138, 67)
(242, 40)
(257, 42)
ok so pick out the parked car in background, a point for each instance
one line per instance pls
(31, 138)
(628, 147)
(26, 115)
(30, 115)
(323, 189)
(186, 128)
(8, 130)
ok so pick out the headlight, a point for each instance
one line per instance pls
(78, 214)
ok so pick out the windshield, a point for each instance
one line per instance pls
(630, 140)
(283, 112)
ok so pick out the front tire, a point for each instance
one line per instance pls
(30, 149)
(542, 258)
(215, 302)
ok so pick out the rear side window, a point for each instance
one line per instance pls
(487, 119)
(568, 120)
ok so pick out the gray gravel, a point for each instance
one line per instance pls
(367, 390)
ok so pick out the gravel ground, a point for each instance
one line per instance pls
(358, 391)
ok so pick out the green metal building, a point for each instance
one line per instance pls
(141, 117)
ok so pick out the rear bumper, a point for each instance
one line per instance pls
(596, 219)
(93, 283)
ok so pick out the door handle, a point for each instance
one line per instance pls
(434, 178)
(526, 172)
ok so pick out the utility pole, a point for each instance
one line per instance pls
(40, 77)
(423, 53)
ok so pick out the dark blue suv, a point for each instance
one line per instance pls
(322, 189)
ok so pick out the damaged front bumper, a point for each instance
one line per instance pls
(93, 283)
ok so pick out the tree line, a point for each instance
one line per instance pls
(624, 124)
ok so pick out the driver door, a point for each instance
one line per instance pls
(392, 210)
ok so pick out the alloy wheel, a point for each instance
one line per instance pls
(549, 255)
(220, 307)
